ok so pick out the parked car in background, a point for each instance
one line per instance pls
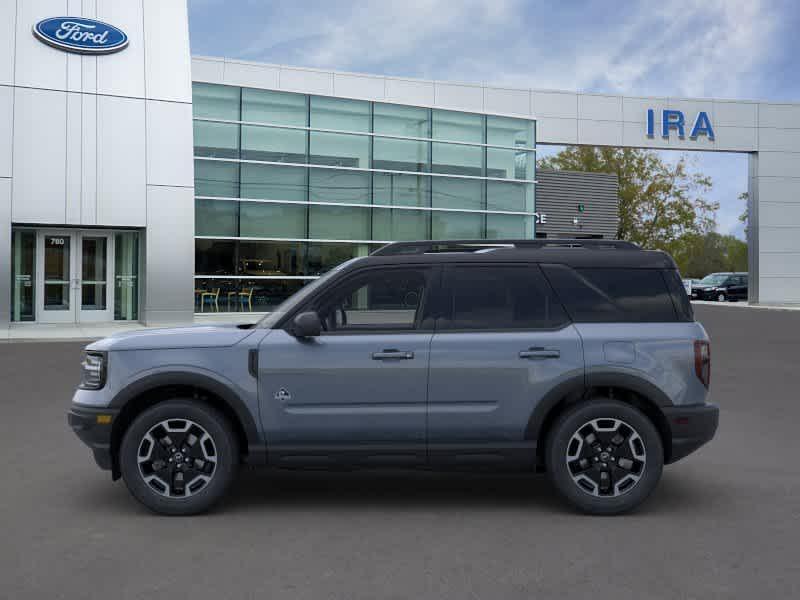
(687, 285)
(721, 287)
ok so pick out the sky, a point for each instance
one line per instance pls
(709, 48)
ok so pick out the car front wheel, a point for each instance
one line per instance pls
(721, 298)
(179, 457)
(604, 456)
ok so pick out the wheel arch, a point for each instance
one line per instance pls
(150, 390)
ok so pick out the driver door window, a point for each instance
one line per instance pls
(378, 300)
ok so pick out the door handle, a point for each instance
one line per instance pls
(392, 355)
(540, 353)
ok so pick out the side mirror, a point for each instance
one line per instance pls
(306, 324)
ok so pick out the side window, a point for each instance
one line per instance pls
(498, 297)
(602, 295)
(376, 300)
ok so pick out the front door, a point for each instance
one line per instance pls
(357, 392)
(502, 342)
(73, 280)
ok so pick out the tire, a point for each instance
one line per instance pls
(721, 297)
(629, 487)
(205, 482)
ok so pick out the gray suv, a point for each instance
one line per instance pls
(579, 358)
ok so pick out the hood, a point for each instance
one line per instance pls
(198, 336)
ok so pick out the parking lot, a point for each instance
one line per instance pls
(724, 523)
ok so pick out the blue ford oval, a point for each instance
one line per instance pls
(84, 36)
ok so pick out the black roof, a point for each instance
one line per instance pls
(575, 253)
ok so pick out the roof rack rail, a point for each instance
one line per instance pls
(436, 246)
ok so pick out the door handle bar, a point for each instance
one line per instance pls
(392, 354)
(540, 353)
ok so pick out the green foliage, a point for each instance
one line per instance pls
(659, 202)
(697, 255)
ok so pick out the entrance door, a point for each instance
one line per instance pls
(73, 280)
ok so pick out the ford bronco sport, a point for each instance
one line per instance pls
(580, 358)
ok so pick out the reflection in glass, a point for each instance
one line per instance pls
(273, 144)
(260, 219)
(93, 273)
(126, 276)
(395, 189)
(395, 119)
(457, 126)
(323, 257)
(399, 225)
(509, 164)
(273, 182)
(457, 193)
(447, 225)
(506, 131)
(270, 258)
(334, 185)
(216, 217)
(510, 196)
(400, 155)
(217, 140)
(214, 257)
(56, 272)
(339, 223)
(23, 265)
(338, 113)
(457, 160)
(212, 178)
(339, 150)
(215, 101)
(266, 106)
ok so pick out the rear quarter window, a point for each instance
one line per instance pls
(609, 295)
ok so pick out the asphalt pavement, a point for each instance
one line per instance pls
(724, 523)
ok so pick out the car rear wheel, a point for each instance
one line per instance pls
(604, 456)
(179, 457)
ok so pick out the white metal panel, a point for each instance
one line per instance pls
(169, 247)
(89, 159)
(779, 239)
(634, 109)
(555, 104)
(777, 190)
(690, 108)
(122, 73)
(307, 81)
(74, 70)
(735, 139)
(169, 144)
(8, 19)
(466, 97)
(600, 133)
(121, 166)
(780, 214)
(250, 75)
(551, 130)
(410, 91)
(599, 108)
(780, 264)
(6, 129)
(778, 115)
(502, 101)
(779, 290)
(39, 155)
(74, 163)
(167, 62)
(781, 140)
(736, 114)
(37, 64)
(635, 135)
(208, 70)
(5, 250)
(358, 86)
(778, 164)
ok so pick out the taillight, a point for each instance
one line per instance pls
(702, 361)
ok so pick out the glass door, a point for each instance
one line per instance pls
(56, 281)
(93, 291)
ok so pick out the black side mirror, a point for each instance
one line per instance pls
(306, 324)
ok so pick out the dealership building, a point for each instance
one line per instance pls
(138, 183)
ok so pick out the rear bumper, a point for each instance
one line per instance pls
(84, 422)
(691, 426)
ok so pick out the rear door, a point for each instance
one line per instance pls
(502, 342)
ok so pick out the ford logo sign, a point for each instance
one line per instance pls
(84, 36)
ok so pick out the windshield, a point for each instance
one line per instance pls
(269, 320)
(713, 279)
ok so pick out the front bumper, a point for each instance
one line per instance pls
(691, 426)
(94, 432)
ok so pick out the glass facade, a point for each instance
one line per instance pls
(289, 185)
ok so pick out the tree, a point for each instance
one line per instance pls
(698, 255)
(659, 202)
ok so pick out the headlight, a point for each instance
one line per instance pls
(93, 370)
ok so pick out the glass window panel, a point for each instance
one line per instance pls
(399, 155)
(508, 227)
(273, 182)
(457, 193)
(211, 101)
(400, 190)
(506, 131)
(273, 144)
(501, 195)
(266, 106)
(322, 257)
(458, 160)
(57, 273)
(23, 261)
(259, 219)
(214, 257)
(399, 225)
(409, 121)
(271, 258)
(339, 223)
(334, 185)
(338, 113)
(212, 178)
(457, 126)
(248, 295)
(216, 217)
(218, 140)
(453, 225)
(212, 295)
(126, 276)
(509, 164)
(339, 150)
